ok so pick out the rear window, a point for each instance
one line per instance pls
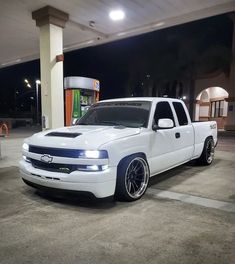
(181, 115)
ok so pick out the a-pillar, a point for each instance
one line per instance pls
(51, 22)
(230, 122)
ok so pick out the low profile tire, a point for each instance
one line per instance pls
(208, 152)
(132, 178)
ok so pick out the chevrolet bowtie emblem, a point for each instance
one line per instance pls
(46, 158)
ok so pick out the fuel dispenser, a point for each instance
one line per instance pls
(80, 94)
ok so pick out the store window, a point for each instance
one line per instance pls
(217, 108)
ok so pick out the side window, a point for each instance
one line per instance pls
(163, 110)
(181, 115)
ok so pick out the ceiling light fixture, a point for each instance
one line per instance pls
(116, 15)
(159, 24)
(92, 24)
(84, 43)
(121, 34)
(11, 62)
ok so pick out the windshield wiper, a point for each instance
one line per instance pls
(81, 124)
(109, 123)
(101, 123)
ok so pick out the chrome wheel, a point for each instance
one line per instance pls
(136, 177)
(210, 151)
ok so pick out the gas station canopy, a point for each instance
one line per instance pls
(89, 23)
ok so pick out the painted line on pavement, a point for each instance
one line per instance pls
(192, 199)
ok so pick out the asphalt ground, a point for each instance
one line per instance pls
(186, 216)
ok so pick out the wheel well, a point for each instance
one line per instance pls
(205, 142)
(142, 154)
(209, 138)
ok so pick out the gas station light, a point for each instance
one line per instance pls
(116, 15)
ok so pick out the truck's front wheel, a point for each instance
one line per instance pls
(132, 178)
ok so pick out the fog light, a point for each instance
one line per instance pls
(93, 167)
(26, 159)
(104, 167)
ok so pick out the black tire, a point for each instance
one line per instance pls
(208, 152)
(132, 178)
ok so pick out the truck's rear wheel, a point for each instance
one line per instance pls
(132, 178)
(208, 152)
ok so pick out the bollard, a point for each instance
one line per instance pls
(4, 127)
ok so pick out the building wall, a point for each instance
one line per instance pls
(214, 80)
(207, 91)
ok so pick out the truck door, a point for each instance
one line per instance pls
(184, 135)
(162, 141)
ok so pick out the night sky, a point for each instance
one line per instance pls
(111, 63)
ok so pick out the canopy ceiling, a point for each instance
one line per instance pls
(20, 36)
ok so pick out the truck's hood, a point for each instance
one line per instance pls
(90, 137)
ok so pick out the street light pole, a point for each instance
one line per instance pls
(37, 101)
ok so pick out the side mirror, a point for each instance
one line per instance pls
(164, 123)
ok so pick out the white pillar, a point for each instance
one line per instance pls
(51, 22)
(51, 75)
(230, 122)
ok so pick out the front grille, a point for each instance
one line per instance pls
(61, 152)
(54, 167)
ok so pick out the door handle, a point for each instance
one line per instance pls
(177, 135)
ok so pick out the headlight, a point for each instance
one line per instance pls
(95, 154)
(25, 147)
(92, 154)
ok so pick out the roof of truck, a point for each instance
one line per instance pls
(150, 99)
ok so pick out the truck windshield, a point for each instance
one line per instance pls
(129, 114)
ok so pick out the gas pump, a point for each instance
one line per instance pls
(80, 94)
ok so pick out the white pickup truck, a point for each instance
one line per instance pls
(116, 147)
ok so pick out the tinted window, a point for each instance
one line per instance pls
(130, 114)
(163, 110)
(181, 115)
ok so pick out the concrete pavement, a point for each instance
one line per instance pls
(11, 146)
(35, 228)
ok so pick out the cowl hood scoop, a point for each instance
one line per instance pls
(63, 134)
